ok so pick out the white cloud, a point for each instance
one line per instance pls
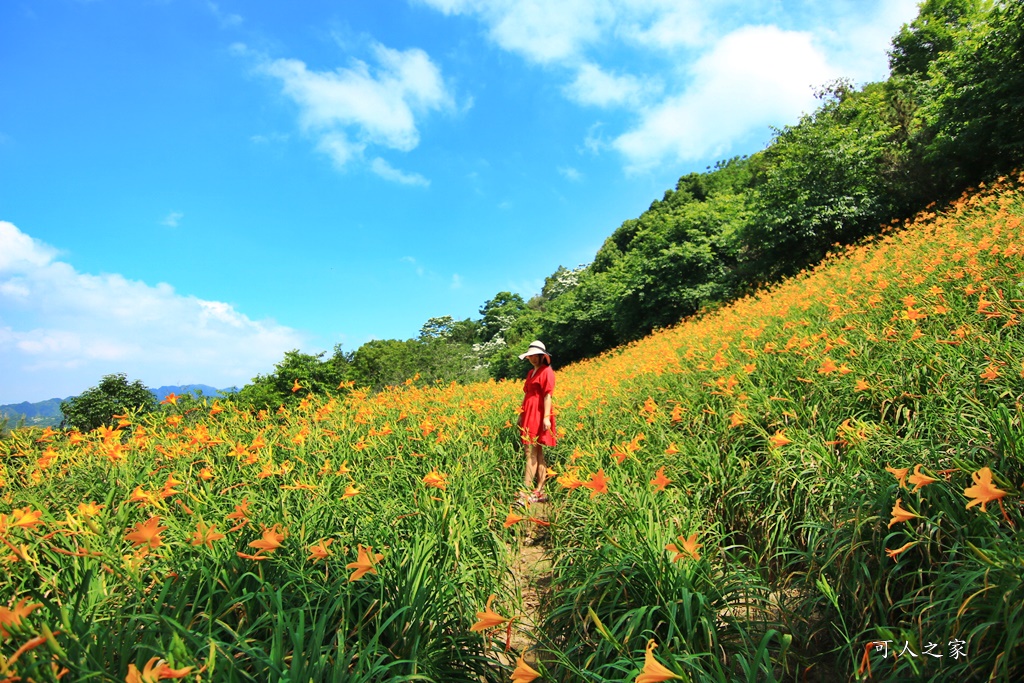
(542, 32)
(594, 142)
(754, 77)
(268, 139)
(172, 219)
(570, 173)
(668, 25)
(388, 172)
(420, 270)
(672, 47)
(358, 106)
(456, 281)
(597, 87)
(61, 330)
(859, 48)
(21, 251)
(339, 148)
(226, 19)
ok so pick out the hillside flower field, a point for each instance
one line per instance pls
(817, 482)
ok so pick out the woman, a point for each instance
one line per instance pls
(536, 422)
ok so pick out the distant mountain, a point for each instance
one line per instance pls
(47, 413)
(39, 414)
(204, 389)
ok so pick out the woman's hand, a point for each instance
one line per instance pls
(547, 423)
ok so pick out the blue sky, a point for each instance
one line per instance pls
(189, 188)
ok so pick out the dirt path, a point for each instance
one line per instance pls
(531, 577)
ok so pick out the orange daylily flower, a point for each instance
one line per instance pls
(827, 367)
(736, 419)
(90, 509)
(894, 553)
(28, 646)
(914, 314)
(660, 481)
(653, 671)
(12, 616)
(205, 535)
(488, 618)
(319, 551)
(523, 673)
(206, 474)
(569, 479)
(598, 483)
(364, 562)
(143, 497)
(512, 518)
(296, 386)
(900, 473)
(983, 491)
(899, 514)
(919, 480)
(168, 489)
(690, 546)
(350, 491)
(435, 480)
(26, 518)
(779, 439)
(47, 434)
(861, 385)
(171, 398)
(991, 372)
(241, 512)
(155, 670)
(146, 533)
(671, 450)
(271, 540)
(257, 557)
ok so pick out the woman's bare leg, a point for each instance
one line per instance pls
(542, 467)
(531, 465)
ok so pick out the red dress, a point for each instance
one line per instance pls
(539, 383)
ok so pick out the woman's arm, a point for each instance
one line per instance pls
(547, 412)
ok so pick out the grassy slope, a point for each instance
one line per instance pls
(786, 409)
(774, 419)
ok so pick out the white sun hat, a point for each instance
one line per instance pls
(536, 348)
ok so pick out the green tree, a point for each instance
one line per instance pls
(387, 362)
(312, 373)
(499, 314)
(97, 405)
(831, 178)
(936, 29)
(974, 109)
(447, 329)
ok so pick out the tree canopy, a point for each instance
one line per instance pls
(97, 406)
